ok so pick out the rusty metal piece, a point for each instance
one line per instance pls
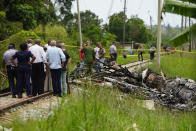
(5, 94)
(22, 102)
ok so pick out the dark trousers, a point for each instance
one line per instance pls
(56, 81)
(12, 75)
(152, 55)
(23, 81)
(37, 77)
(140, 54)
(113, 57)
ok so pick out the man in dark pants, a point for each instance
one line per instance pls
(11, 69)
(55, 56)
(23, 70)
(37, 75)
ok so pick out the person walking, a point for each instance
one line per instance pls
(113, 51)
(23, 69)
(56, 60)
(37, 75)
(11, 69)
(64, 74)
(89, 57)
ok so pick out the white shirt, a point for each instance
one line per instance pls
(112, 49)
(38, 52)
(96, 50)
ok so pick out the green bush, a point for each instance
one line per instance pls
(8, 28)
(17, 39)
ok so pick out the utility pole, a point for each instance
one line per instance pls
(159, 32)
(79, 23)
(190, 35)
(151, 23)
(124, 22)
(182, 23)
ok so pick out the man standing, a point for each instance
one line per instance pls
(55, 56)
(29, 43)
(37, 75)
(97, 63)
(81, 58)
(64, 84)
(101, 53)
(113, 51)
(11, 69)
(89, 57)
(152, 51)
(23, 69)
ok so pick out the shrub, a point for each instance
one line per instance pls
(17, 39)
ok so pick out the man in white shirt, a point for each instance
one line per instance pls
(37, 74)
(113, 51)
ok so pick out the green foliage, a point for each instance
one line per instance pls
(178, 7)
(8, 28)
(30, 13)
(17, 39)
(176, 65)
(135, 28)
(87, 18)
(93, 32)
(102, 109)
(56, 32)
(107, 39)
(65, 10)
(91, 28)
(2, 15)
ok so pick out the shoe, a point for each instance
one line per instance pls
(13, 96)
(19, 96)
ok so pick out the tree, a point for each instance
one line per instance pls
(65, 10)
(135, 28)
(91, 25)
(30, 12)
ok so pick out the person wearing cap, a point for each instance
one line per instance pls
(37, 75)
(113, 51)
(23, 69)
(11, 69)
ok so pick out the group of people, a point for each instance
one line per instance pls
(90, 57)
(30, 66)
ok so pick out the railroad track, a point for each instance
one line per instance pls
(19, 102)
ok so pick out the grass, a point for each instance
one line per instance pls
(102, 109)
(129, 59)
(176, 65)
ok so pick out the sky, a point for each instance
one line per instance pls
(142, 8)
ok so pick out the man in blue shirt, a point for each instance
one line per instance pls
(56, 60)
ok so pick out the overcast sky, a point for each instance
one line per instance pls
(142, 8)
